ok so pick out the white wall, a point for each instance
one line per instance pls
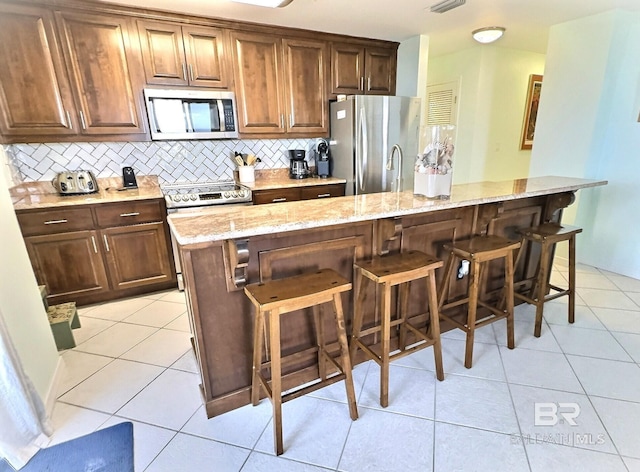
(20, 299)
(587, 127)
(493, 87)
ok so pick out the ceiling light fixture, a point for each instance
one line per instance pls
(446, 5)
(488, 34)
(266, 3)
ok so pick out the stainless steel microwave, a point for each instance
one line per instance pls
(191, 114)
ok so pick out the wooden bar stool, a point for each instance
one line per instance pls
(388, 271)
(276, 297)
(479, 250)
(547, 235)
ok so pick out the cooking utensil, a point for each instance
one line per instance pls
(251, 159)
(239, 160)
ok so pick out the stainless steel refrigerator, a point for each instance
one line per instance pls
(374, 142)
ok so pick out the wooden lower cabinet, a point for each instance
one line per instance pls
(122, 250)
(69, 264)
(137, 255)
(291, 194)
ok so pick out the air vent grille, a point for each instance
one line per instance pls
(446, 5)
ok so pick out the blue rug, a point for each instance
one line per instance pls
(107, 450)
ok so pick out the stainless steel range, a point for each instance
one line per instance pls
(190, 195)
(185, 197)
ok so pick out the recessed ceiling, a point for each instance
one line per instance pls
(527, 22)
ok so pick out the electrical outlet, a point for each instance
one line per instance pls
(463, 269)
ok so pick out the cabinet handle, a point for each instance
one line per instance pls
(362, 83)
(191, 72)
(95, 247)
(82, 122)
(276, 200)
(69, 119)
(106, 242)
(54, 222)
(369, 83)
(184, 71)
(282, 120)
(291, 120)
(323, 195)
(135, 213)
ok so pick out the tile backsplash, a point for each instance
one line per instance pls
(171, 161)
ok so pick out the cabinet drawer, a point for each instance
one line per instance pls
(55, 221)
(322, 191)
(129, 213)
(276, 195)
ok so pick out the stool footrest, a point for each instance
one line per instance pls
(377, 329)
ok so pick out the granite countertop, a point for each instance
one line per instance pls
(215, 224)
(269, 179)
(42, 194)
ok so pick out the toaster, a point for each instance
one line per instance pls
(75, 183)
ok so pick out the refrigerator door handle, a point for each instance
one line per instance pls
(396, 147)
(365, 149)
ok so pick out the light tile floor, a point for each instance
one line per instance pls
(134, 362)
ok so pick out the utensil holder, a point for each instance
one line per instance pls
(246, 174)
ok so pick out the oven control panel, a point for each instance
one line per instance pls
(190, 195)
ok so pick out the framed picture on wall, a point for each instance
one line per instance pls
(531, 111)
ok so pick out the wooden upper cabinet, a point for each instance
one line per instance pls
(258, 81)
(280, 84)
(105, 70)
(362, 70)
(380, 68)
(35, 97)
(347, 74)
(306, 75)
(183, 55)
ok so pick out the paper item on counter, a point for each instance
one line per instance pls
(200, 117)
(169, 116)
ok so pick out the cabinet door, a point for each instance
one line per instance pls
(105, 72)
(380, 67)
(162, 53)
(347, 69)
(137, 255)
(35, 97)
(258, 80)
(206, 59)
(69, 264)
(306, 66)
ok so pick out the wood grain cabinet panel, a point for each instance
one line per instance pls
(280, 85)
(69, 264)
(306, 75)
(35, 96)
(362, 70)
(105, 71)
(279, 195)
(175, 54)
(137, 255)
(258, 79)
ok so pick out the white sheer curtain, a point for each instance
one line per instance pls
(24, 425)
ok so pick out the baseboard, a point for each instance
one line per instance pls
(54, 387)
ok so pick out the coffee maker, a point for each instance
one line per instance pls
(322, 159)
(298, 168)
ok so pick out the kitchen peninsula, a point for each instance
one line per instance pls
(224, 249)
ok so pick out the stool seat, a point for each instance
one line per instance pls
(389, 271)
(547, 235)
(551, 232)
(274, 298)
(479, 250)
